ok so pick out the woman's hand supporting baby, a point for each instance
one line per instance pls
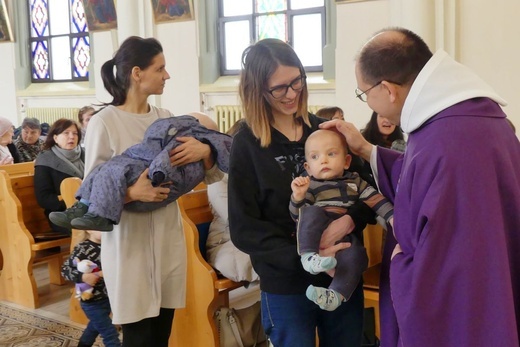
(190, 151)
(142, 190)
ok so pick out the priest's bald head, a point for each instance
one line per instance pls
(386, 68)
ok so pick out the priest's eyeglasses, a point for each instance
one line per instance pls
(280, 91)
(362, 95)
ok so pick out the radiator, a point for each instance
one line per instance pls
(227, 115)
(52, 114)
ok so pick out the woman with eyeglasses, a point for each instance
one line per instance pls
(267, 154)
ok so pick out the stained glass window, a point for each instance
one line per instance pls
(300, 23)
(59, 42)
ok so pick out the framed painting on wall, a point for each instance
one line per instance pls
(101, 14)
(172, 10)
(6, 34)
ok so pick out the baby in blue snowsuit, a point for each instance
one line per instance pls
(102, 193)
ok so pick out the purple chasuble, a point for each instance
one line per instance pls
(456, 194)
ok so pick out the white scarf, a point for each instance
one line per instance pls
(442, 83)
(72, 157)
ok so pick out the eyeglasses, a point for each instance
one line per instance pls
(280, 91)
(362, 95)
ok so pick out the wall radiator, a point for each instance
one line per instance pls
(227, 115)
(52, 114)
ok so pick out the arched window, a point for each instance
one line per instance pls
(59, 41)
(301, 23)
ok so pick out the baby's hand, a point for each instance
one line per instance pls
(299, 187)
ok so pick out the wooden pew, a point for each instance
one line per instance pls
(20, 169)
(194, 325)
(25, 239)
(68, 189)
(373, 240)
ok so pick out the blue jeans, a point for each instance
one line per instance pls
(291, 321)
(100, 323)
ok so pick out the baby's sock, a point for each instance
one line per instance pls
(314, 264)
(326, 299)
(84, 202)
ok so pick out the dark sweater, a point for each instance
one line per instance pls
(14, 153)
(90, 250)
(49, 171)
(259, 219)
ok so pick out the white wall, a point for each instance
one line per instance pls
(483, 35)
(179, 41)
(356, 23)
(7, 82)
(489, 43)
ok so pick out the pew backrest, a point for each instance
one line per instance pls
(25, 238)
(19, 169)
(205, 290)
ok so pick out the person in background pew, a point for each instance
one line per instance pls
(96, 308)
(266, 155)
(380, 131)
(45, 127)
(144, 257)
(8, 152)
(220, 251)
(329, 113)
(29, 144)
(62, 157)
(84, 115)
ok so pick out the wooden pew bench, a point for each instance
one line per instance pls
(68, 189)
(373, 240)
(206, 291)
(25, 237)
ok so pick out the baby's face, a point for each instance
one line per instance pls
(326, 156)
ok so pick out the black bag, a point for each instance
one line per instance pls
(369, 329)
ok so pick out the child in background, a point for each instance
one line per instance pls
(318, 199)
(97, 308)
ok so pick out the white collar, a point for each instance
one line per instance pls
(442, 83)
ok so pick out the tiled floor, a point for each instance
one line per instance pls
(49, 325)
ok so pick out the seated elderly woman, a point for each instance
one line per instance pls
(62, 157)
(8, 152)
(29, 144)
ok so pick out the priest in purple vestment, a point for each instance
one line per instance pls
(454, 276)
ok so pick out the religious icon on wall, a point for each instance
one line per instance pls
(101, 14)
(6, 34)
(172, 10)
